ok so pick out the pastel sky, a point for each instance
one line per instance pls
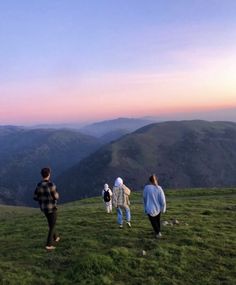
(79, 61)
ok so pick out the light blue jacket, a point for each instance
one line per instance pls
(154, 200)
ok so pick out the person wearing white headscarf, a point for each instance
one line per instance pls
(121, 201)
(108, 204)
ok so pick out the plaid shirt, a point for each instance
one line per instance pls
(46, 194)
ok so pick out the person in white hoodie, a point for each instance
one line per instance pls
(154, 203)
(107, 197)
(121, 201)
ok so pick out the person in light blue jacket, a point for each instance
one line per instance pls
(154, 203)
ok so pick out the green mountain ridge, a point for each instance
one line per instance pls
(184, 154)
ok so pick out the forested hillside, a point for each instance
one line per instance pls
(183, 154)
(23, 152)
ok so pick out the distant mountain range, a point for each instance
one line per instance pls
(183, 154)
(106, 131)
(131, 124)
(120, 125)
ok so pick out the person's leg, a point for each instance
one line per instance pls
(107, 208)
(128, 214)
(119, 216)
(110, 207)
(155, 222)
(159, 222)
(51, 217)
(55, 234)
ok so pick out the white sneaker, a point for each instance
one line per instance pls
(121, 226)
(51, 247)
(129, 224)
(159, 235)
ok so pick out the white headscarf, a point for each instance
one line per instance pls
(118, 182)
(106, 187)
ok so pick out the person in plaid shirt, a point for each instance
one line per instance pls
(46, 194)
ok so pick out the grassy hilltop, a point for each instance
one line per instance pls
(201, 249)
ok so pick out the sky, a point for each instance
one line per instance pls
(67, 61)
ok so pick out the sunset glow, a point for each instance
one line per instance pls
(84, 64)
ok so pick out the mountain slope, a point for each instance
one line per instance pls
(24, 152)
(183, 154)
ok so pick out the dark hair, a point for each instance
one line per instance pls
(152, 178)
(45, 172)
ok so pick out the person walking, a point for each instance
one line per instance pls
(107, 197)
(121, 201)
(154, 203)
(46, 194)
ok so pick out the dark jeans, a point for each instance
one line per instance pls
(156, 222)
(52, 218)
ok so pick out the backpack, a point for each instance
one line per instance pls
(106, 196)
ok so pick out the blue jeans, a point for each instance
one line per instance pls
(120, 215)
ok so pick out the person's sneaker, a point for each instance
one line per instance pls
(159, 235)
(57, 239)
(129, 224)
(50, 247)
(121, 226)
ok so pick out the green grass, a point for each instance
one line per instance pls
(93, 250)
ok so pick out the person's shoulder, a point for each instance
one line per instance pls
(160, 188)
(51, 184)
(124, 186)
(126, 189)
(148, 186)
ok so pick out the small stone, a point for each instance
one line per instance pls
(175, 222)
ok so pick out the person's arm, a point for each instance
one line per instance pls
(162, 200)
(114, 198)
(127, 191)
(144, 199)
(54, 193)
(36, 194)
